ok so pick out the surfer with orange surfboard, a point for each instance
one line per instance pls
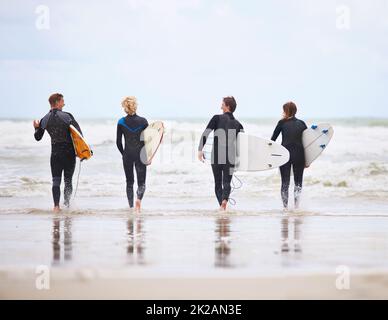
(66, 144)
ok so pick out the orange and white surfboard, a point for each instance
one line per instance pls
(82, 149)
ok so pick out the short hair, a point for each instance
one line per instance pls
(231, 103)
(129, 105)
(290, 110)
(54, 98)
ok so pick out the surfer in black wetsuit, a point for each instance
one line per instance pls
(226, 129)
(291, 129)
(134, 153)
(57, 123)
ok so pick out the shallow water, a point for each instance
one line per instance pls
(245, 245)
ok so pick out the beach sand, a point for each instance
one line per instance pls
(76, 285)
(203, 255)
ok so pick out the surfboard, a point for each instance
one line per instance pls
(253, 153)
(315, 141)
(259, 154)
(207, 148)
(153, 137)
(81, 148)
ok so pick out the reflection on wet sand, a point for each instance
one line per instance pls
(286, 224)
(222, 243)
(56, 240)
(135, 248)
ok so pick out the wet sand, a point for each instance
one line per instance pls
(82, 285)
(207, 255)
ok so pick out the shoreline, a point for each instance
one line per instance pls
(365, 285)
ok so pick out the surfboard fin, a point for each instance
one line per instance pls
(314, 127)
(323, 146)
(326, 131)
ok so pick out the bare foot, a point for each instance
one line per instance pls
(56, 209)
(138, 206)
(223, 205)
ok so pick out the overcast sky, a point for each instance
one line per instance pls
(180, 57)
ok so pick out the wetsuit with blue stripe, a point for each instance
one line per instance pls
(291, 130)
(133, 153)
(62, 159)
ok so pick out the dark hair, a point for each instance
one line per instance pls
(290, 110)
(54, 98)
(231, 103)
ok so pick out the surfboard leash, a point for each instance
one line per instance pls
(232, 201)
(79, 172)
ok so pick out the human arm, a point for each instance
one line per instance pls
(119, 139)
(212, 125)
(75, 124)
(39, 131)
(277, 131)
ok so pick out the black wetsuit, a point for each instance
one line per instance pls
(57, 123)
(291, 130)
(226, 129)
(133, 153)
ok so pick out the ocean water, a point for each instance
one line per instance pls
(342, 220)
(351, 176)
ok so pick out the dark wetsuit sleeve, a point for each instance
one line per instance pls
(240, 129)
(212, 125)
(304, 126)
(119, 139)
(277, 131)
(39, 132)
(75, 124)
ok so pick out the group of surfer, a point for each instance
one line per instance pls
(57, 123)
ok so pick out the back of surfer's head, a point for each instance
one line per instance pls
(289, 110)
(129, 105)
(54, 98)
(231, 103)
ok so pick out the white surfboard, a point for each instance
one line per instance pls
(258, 154)
(153, 137)
(207, 148)
(253, 153)
(315, 140)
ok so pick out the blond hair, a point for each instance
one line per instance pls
(129, 105)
